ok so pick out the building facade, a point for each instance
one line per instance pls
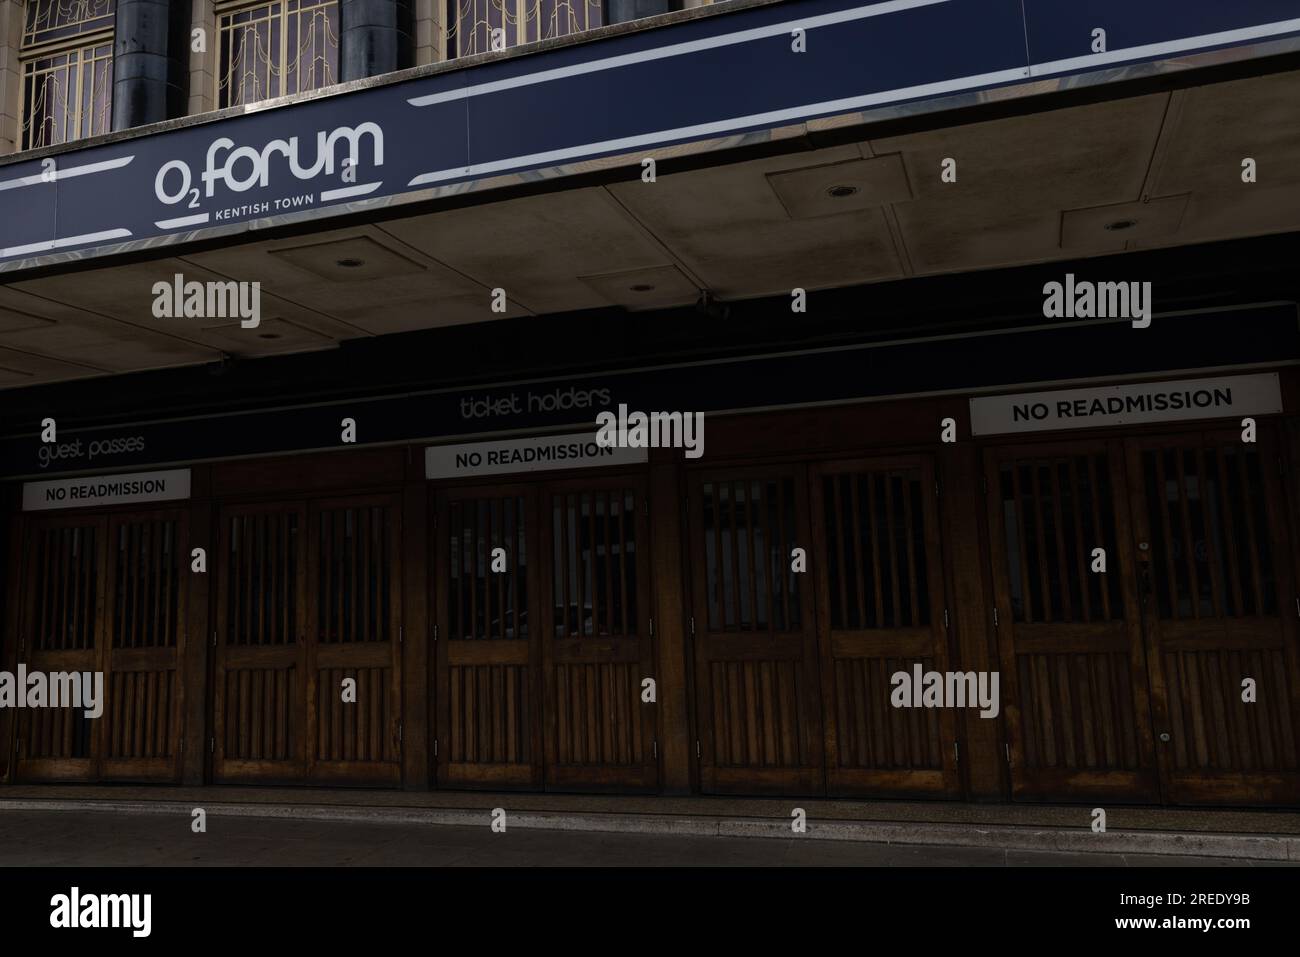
(991, 320)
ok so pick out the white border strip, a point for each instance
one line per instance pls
(65, 241)
(360, 190)
(675, 49)
(1152, 50)
(58, 174)
(725, 126)
(181, 221)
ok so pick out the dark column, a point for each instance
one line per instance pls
(150, 61)
(620, 11)
(374, 37)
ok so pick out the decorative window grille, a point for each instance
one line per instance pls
(471, 22)
(67, 69)
(276, 49)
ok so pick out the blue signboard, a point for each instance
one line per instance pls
(754, 69)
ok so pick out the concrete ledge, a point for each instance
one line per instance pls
(1080, 839)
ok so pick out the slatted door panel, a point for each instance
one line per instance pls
(356, 611)
(488, 659)
(1073, 668)
(148, 563)
(65, 589)
(881, 611)
(261, 651)
(757, 678)
(597, 647)
(1219, 605)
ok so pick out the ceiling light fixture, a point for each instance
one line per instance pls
(350, 263)
(841, 191)
(1119, 224)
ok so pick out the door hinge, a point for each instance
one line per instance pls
(435, 632)
(945, 618)
(652, 627)
(697, 747)
(400, 639)
(956, 754)
(212, 745)
(214, 639)
(1007, 748)
(654, 749)
(399, 732)
(1297, 607)
(995, 617)
(435, 747)
(692, 626)
(984, 482)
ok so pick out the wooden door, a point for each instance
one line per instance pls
(148, 568)
(260, 672)
(1072, 660)
(106, 594)
(353, 655)
(596, 645)
(756, 673)
(1219, 606)
(62, 631)
(881, 610)
(488, 659)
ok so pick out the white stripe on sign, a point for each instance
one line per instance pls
(49, 244)
(56, 174)
(675, 49)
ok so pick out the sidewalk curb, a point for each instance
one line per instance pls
(1078, 840)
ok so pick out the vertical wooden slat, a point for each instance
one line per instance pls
(1230, 530)
(1067, 601)
(1050, 612)
(733, 552)
(914, 580)
(1189, 541)
(1162, 501)
(1100, 530)
(597, 499)
(893, 552)
(836, 527)
(1082, 551)
(1212, 553)
(1252, 540)
(474, 523)
(877, 580)
(855, 483)
(627, 506)
(719, 596)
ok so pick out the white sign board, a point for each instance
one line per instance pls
(106, 490)
(1127, 404)
(525, 455)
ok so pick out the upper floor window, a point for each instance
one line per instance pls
(480, 26)
(276, 49)
(67, 69)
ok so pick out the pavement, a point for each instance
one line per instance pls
(90, 838)
(128, 825)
